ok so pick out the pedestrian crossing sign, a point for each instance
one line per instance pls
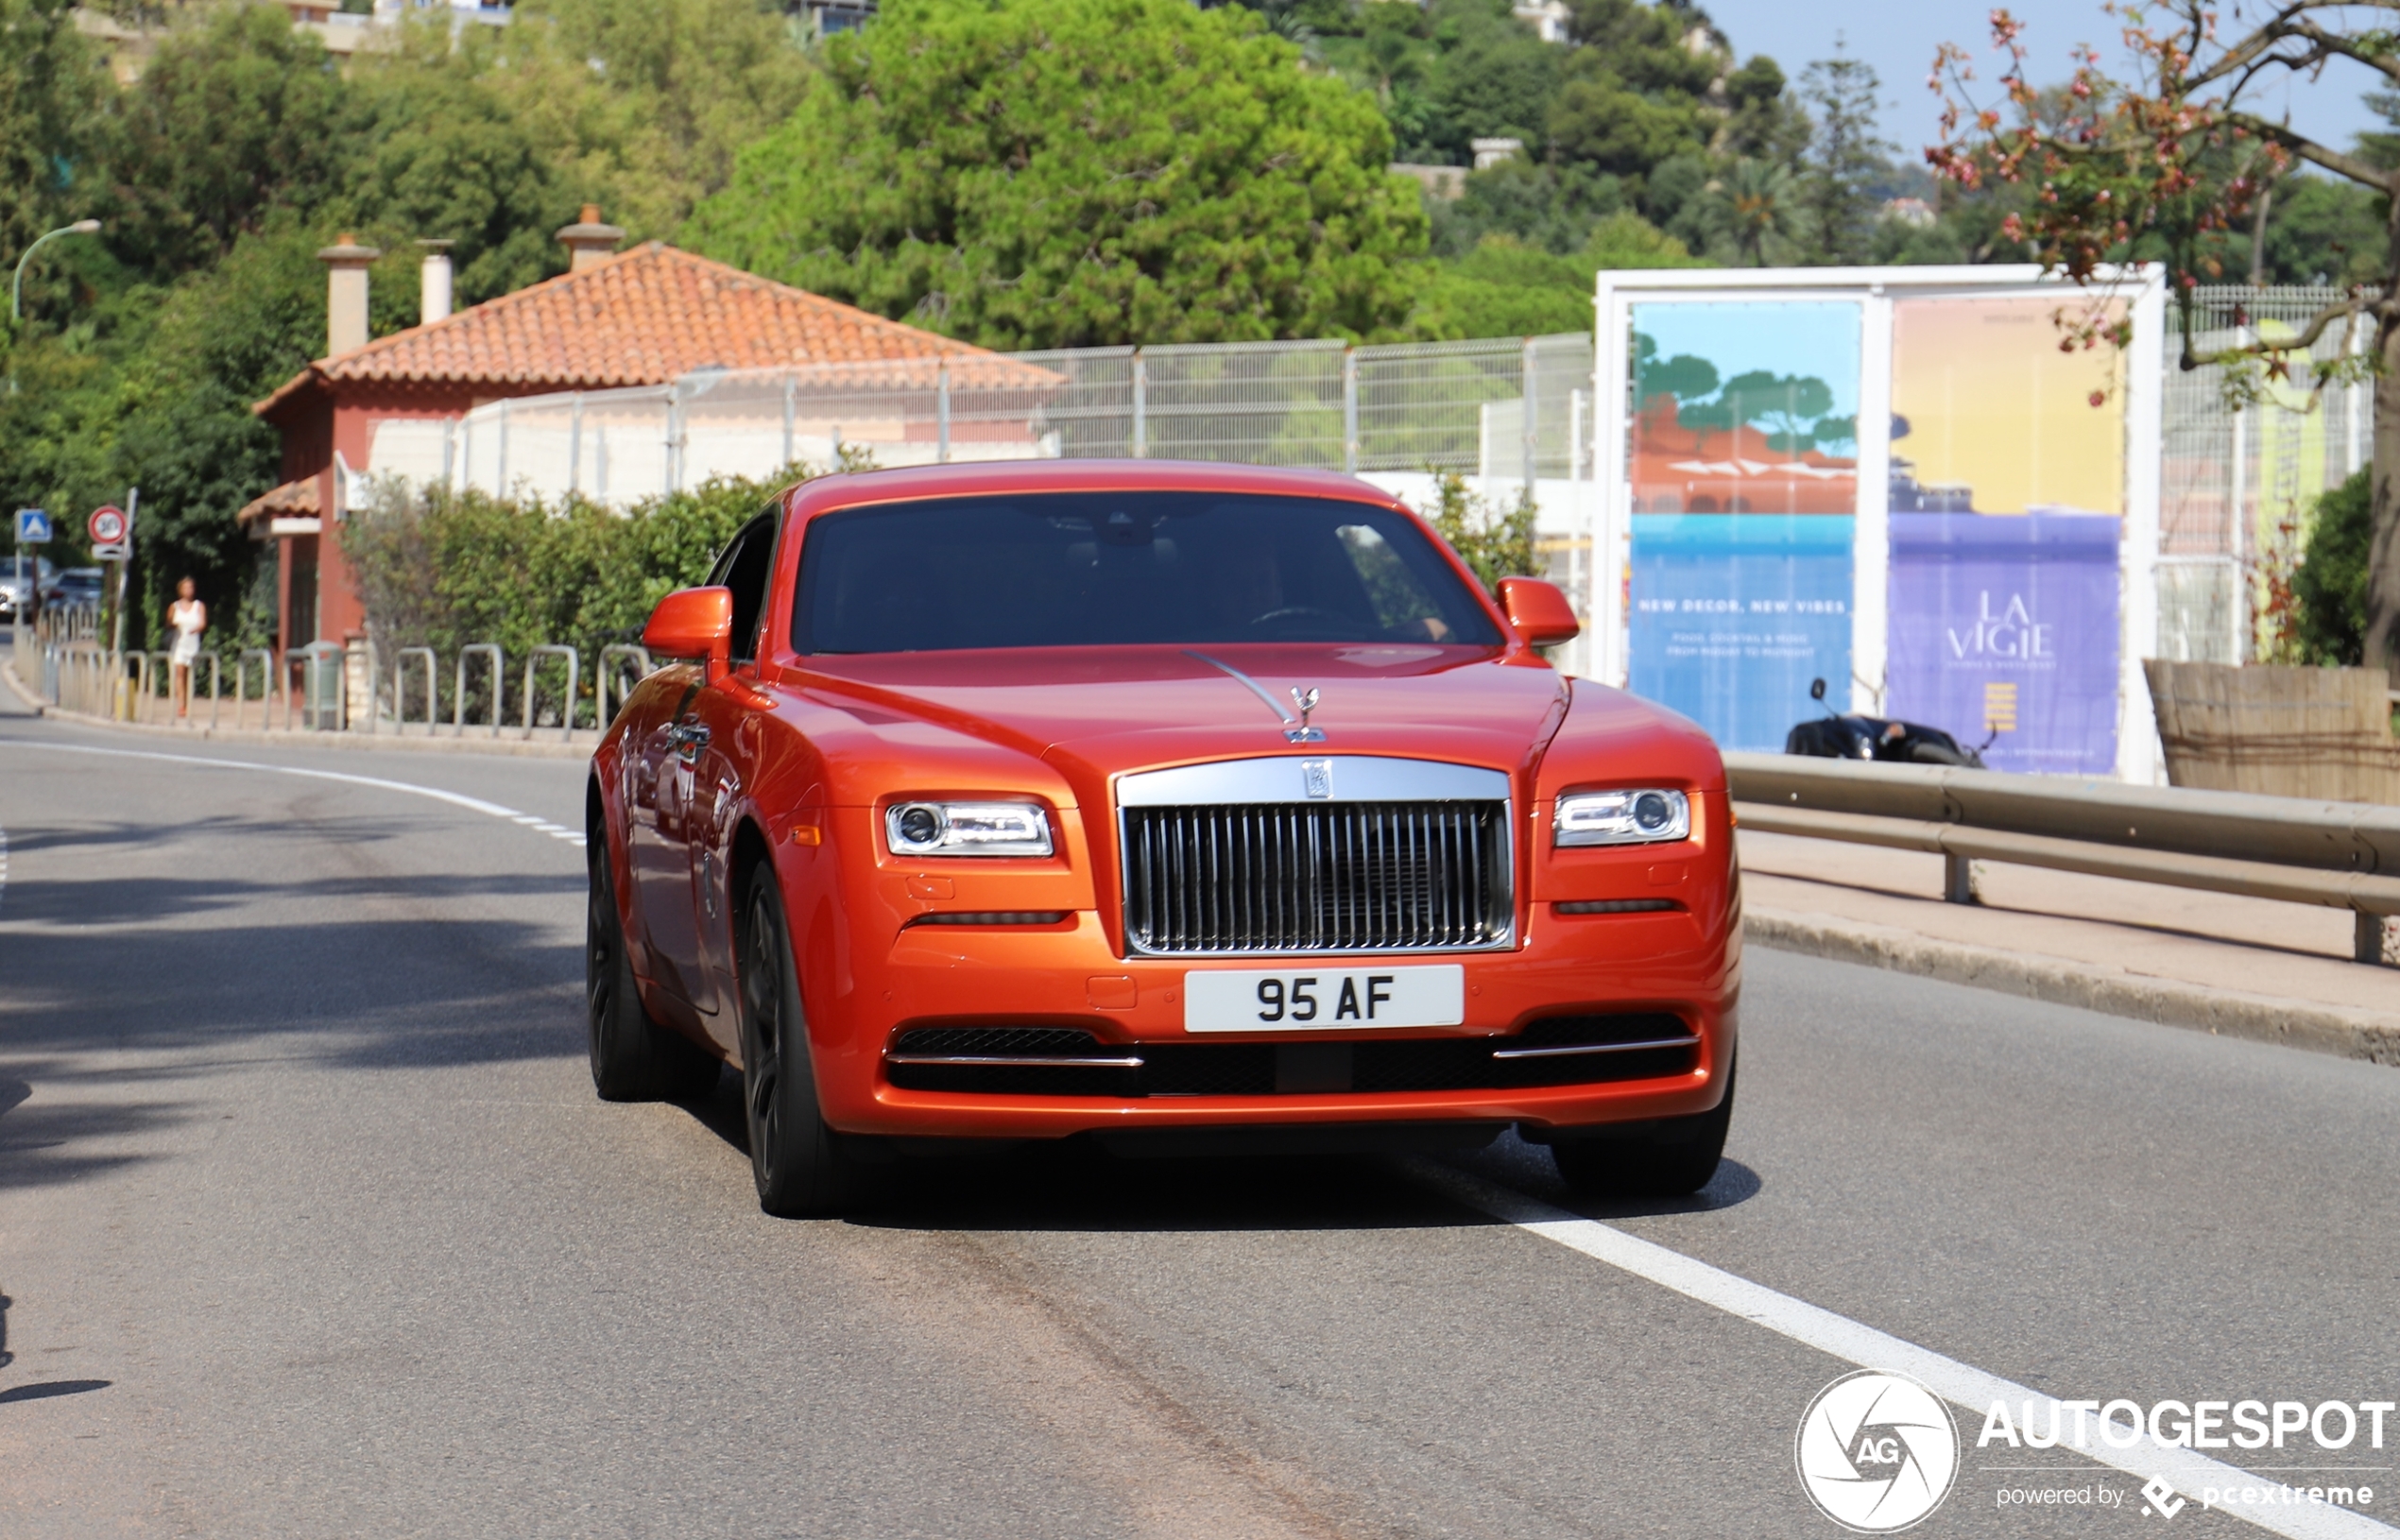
(33, 527)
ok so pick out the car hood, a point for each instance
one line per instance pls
(1092, 713)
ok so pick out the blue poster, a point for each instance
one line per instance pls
(1744, 484)
(1733, 614)
(2007, 627)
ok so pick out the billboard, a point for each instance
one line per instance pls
(2007, 629)
(2008, 487)
(1744, 470)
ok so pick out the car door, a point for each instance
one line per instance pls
(659, 755)
(721, 739)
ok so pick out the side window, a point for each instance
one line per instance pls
(748, 563)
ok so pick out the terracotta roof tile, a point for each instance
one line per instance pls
(296, 499)
(638, 318)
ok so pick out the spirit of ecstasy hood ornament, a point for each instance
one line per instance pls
(1306, 701)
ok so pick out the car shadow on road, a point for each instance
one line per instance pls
(42, 1390)
(123, 992)
(1078, 1185)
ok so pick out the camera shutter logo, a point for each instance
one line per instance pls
(1877, 1451)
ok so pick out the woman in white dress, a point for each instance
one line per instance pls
(189, 617)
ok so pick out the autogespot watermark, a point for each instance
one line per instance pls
(1877, 1452)
(2298, 1428)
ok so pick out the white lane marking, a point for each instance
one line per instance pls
(472, 804)
(3, 863)
(2185, 1470)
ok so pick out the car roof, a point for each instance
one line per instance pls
(911, 482)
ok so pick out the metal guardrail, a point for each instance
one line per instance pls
(458, 699)
(265, 685)
(2339, 855)
(400, 691)
(567, 705)
(339, 687)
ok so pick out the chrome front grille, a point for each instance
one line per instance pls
(1298, 876)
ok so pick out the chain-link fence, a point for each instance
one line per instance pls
(1501, 409)
(2236, 485)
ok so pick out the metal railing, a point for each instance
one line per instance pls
(1512, 407)
(336, 687)
(567, 703)
(399, 690)
(2337, 855)
(459, 699)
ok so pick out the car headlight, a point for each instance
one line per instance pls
(1643, 816)
(967, 829)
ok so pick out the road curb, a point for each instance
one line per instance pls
(2341, 1031)
(505, 747)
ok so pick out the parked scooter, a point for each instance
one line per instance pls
(1856, 737)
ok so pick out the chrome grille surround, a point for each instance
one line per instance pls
(1316, 854)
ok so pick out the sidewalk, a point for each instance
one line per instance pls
(2246, 968)
(513, 741)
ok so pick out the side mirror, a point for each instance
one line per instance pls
(1538, 612)
(1816, 690)
(693, 623)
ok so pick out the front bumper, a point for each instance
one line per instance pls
(1068, 975)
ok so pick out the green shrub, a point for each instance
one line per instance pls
(444, 570)
(1494, 541)
(2329, 586)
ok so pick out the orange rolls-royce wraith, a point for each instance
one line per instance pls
(1170, 805)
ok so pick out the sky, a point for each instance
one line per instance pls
(1808, 338)
(1898, 38)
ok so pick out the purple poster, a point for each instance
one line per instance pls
(2006, 627)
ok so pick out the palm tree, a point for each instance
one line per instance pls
(1758, 210)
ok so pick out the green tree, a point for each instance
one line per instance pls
(1538, 203)
(2325, 232)
(433, 153)
(1507, 288)
(2169, 161)
(1603, 121)
(236, 115)
(1495, 542)
(1845, 159)
(51, 94)
(1049, 173)
(1763, 122)
(2329, 586)
(640, 105)
(1493, 77)
(1755, 214)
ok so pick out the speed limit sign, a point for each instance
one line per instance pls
(111, 533)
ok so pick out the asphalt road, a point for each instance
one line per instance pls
(310, 1224)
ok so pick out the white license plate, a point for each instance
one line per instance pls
(1316, 998)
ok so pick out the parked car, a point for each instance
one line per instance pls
(78, 587)
(1168, 805)
(13, 589)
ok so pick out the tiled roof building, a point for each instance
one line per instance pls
(641, 317)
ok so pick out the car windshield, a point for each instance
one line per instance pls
(1111, 569)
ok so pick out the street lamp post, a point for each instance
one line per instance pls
(16, 287)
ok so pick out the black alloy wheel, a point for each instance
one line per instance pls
(802, 1168)
(1671, 1158)
(633, 1057)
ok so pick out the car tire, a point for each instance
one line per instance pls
(633, 1057)
(802, 1166)
(1671, 1158)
